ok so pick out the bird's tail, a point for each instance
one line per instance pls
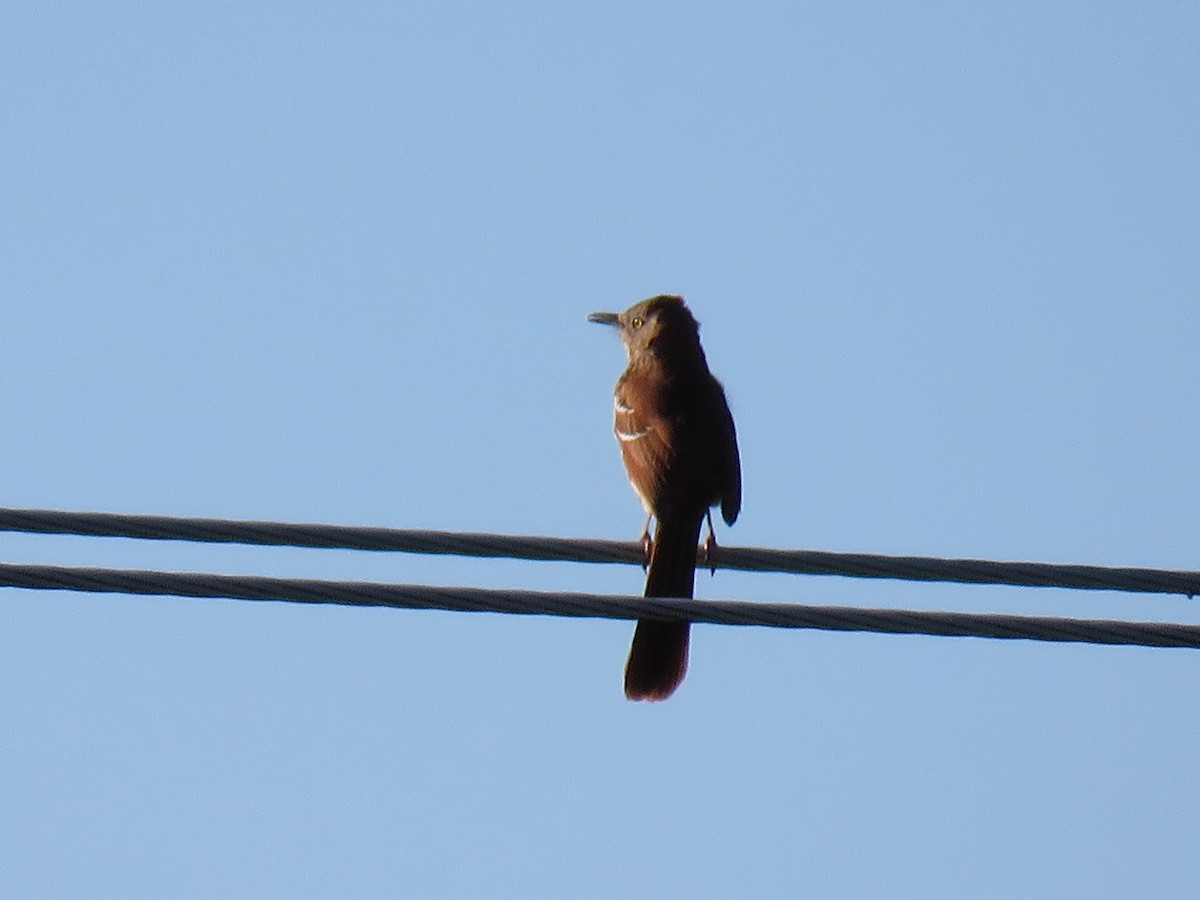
(658, 656)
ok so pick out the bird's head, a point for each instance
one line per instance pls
(662, 325)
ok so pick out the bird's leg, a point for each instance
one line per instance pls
(710, 544)
(647, 544)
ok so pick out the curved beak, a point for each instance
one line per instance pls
(604, 318)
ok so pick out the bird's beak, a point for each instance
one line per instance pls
(604, 318)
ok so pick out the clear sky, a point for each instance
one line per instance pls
(332, 263)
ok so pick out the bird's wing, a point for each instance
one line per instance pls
(731, 466)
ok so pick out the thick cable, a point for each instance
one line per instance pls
(720, 612)
(805, 562)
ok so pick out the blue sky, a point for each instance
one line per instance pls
(333, 264)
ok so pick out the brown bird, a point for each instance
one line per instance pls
(680, 451)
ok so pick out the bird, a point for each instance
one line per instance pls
(679, 446)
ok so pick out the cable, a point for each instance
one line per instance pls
(748, 559)
(717, 612)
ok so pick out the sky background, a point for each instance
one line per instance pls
(332, 263)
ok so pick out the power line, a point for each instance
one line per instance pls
(749, 559)
(719, 612)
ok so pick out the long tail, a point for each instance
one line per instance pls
(659, 654)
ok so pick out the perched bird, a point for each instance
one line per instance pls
(680, 451)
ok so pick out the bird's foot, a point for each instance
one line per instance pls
(647, 545)
(709, 545)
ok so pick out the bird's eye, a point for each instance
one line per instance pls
(637, 322)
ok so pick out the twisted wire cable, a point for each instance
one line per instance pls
(748, 559)
(718, 612)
